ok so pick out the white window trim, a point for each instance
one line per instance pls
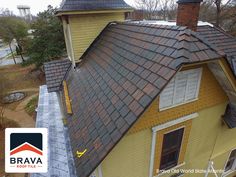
(226, 173)
(161, 127)
(174, 122)
(197, 91)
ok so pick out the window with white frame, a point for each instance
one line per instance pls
(171, 149)
(231, 163)
(183, 88)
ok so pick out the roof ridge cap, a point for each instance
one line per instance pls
(183, 47)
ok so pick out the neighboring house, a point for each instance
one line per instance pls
(140, 99)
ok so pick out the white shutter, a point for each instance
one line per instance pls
(194, 77)
(167, 95)
(180, 87)
(184, 87)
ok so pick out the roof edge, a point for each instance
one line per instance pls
(94, 11)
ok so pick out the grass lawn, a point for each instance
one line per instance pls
(18, 78)
(5, 123)
(31, 106)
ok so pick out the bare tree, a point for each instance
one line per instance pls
(220, 7)
(167, 9)
(6, 12)
(149, 6)
(207, 11)
(164, 9)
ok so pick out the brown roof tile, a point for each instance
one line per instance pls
(222, 40)
(120, 75)
(55, 72)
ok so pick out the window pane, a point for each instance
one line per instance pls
(171, 148)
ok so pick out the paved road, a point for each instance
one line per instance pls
(10, 61)
(4, 51)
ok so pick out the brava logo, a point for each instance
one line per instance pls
(26, 150)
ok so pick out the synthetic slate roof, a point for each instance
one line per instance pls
(73, 5)
(221, 40)
(122, 72)
(55, 72)
(230, 115)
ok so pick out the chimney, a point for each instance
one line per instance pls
(188, 13)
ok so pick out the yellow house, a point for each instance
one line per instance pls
(84, 20)
(145, 100)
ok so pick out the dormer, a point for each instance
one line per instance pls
(83, 20)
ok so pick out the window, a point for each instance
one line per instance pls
(171, 148)
(231, 163)
(183, 88)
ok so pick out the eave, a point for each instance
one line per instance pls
(76, 12)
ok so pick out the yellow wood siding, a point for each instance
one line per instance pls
(85, 28)
(210, 94)
(205, 138)
(130, 158)
(209, 139)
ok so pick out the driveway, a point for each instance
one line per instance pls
(7, 61)
(4, 60)
(4, 51)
